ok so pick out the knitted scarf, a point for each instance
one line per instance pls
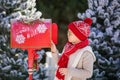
(68, 50)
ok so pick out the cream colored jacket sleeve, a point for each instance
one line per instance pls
(56, 56)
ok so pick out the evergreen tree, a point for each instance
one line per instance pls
(105, 37)
(13, 61)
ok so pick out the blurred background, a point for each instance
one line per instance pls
(104, 37)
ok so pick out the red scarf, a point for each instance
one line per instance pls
(69, 49)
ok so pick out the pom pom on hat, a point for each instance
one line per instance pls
(81, 28)
(88, 21)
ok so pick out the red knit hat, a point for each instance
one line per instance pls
(81, 28)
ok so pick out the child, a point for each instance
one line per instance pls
(76, 61)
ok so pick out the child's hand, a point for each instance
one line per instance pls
(63, 71)
(53, 47)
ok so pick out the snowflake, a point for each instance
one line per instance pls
(20, 39)
(41, 28)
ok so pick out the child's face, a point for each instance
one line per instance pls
(72, 38)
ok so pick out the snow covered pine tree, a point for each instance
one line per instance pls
(105, 37)
(13, 62)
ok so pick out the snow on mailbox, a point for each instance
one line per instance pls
(36, 34)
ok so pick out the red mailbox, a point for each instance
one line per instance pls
(31, 36)
(36, 34)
